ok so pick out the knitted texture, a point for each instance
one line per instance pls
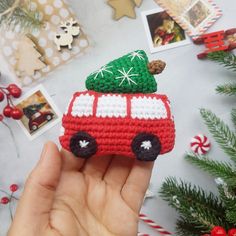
(135, 125)
(128, 74)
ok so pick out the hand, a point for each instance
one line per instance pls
(68, 196)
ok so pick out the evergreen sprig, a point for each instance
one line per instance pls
(186, 228)
(14, 13)
(228, 196)
(233, 115)
(218, 169)
(201, 209)
(221, 132)
(226, 59)
(228, 89)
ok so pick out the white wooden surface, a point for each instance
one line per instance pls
(188, 82)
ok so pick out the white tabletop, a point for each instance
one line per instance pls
(188, 82)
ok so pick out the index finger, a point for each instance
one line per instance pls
(136, 184)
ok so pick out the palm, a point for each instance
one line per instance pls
(95, 204)
(101, 196)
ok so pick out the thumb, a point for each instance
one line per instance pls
(37, 199)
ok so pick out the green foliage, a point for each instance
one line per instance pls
(226, 59)
(200, 212)
(218, 169)
(15, 13)
(228, 89)
(194, 204)
(233, 115)
(228, 197)
(221, 132)
(184, 227)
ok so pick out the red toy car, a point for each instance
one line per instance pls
(38, 119)
(135, 125)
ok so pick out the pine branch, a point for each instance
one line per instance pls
(228, 197)
(184, 228)
(15, 13)
(226, 59)
(221, 133)
(193, 204)
(231, 216)
(228, 89)
(217, 169)
(233, 115)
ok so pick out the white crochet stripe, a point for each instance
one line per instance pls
(111, 106)
(68, 106)
(147, 108)
(83, 106)
(62, 131)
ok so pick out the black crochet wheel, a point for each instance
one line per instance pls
(146, 147)
(83, 145)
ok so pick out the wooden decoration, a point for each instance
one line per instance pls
(138, 2)
(28, 58)
(123, 8)
(71, 30)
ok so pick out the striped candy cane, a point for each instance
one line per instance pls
(153, 225)
(141, 234)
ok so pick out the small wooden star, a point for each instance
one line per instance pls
(138, 2)
(123, 8)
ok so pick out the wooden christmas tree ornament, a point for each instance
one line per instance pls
(29, 59)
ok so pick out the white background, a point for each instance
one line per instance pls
(188, 82)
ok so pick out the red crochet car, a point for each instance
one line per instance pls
(38, 119)
(134, 125)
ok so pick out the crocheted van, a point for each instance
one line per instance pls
(135, 125)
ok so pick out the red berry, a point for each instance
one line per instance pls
(1, 96)
(5, 200)
(232, 232)
(11, 86)
(1, 117)
(15, 92)
(16, 114)
(218, 231)
(7, 111)
(14, 187)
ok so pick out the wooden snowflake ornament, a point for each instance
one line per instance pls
(120, 113)
(71, 30)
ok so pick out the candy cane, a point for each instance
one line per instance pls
(141, 234)
(153, 225)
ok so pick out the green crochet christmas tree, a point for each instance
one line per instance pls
(131, 73)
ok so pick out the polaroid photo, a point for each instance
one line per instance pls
(194, 16)
(197, 14)
(162, 31)
(40, 112)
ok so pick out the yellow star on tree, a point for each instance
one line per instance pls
(123, 8)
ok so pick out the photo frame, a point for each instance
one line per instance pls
(162, 31)
(40, 112)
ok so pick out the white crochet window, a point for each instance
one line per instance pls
(112, 106)
(147, 108)
(83, 106)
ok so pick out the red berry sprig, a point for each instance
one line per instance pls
(10, 111)
(9, 197)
